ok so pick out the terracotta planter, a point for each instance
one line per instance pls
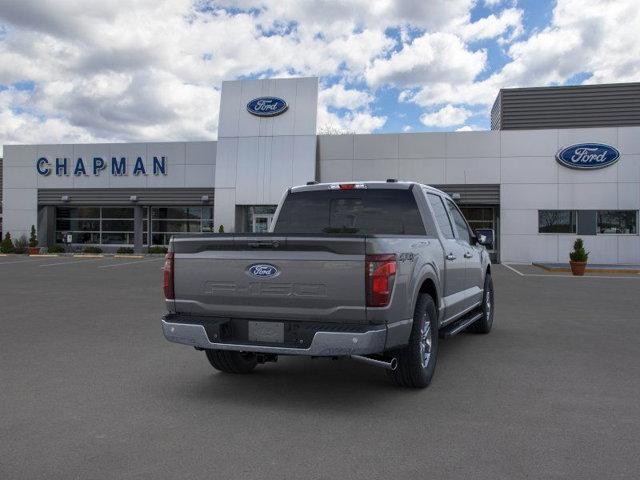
(578, 268)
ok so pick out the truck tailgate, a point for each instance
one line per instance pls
(267, 276)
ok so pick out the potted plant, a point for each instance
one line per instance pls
(578, 258)
(33, 242)
(21, 245)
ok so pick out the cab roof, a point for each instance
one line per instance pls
(389, 184)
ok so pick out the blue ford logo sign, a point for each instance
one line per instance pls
(588, 156)
(263, 270)
(267, 106)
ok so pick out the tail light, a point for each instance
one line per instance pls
(169, 292)
(380, 275)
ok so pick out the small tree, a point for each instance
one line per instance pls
(7, 244)
(33, 239)
(221, 229)
(579, 254)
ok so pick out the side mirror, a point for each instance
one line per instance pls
(485, 236)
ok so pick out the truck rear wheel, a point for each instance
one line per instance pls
(417, 361)
(232, 362)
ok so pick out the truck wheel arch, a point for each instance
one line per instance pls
(428, 285)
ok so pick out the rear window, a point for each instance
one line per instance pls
(359, 212)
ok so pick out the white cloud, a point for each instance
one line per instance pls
(492, 3)
(407, 128)
(338, 96)
(351, 122)
(447, 116)
(583, 37)
(509, 20)
(469, 128)
(433, 57)
(151, 69)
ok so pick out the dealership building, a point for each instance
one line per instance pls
(559, 162)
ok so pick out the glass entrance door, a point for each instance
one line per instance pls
(483, 217)
(261, 222)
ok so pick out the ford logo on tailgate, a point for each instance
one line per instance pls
(267, 106)
(263, 270)
(588, 156)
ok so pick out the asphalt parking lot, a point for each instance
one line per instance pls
(89, 389)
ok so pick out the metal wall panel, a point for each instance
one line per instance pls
(567, 107)
(473, 194)
(121, 196)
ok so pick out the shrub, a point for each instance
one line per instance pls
(579, 254)
(158, 249)
(92, 249)
(7, 244)
(33, 238)
(55, 249)
(221, 229)
(21, 244)
(124, 251)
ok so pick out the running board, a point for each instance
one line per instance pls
(459, 325)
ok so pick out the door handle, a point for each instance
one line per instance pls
(451, 256)
(468, 255)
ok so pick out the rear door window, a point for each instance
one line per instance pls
(358, 211)
(460, 223)
(441, 216)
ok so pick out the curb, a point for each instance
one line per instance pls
(127, 256)
(87, 255)
(588, 270)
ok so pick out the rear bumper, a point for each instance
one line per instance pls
(323, 344)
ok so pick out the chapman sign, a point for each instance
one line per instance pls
(96, 165)
(588, 156)
(267, 106)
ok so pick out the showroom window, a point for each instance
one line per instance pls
(167, 221)
(556, 221)
(96, 225)
(618, 221)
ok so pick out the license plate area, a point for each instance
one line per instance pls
(270, 332)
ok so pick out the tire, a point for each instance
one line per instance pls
(413, 371)
(484, 324)
(232, 362)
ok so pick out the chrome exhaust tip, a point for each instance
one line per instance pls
(390, 365)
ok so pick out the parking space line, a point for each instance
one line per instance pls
(31, 260)
(129, 263)
(513, 269)
(70, 263)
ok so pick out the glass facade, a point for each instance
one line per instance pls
(618, 221)
(115, 225)
(556, 221)
(167, 221)
(95, 225)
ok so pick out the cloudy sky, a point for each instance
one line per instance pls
(126, 70)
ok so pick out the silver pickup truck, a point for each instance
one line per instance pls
(375, 271)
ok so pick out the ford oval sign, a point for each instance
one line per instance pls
(588, 156)
(263, 270)
(267, 106)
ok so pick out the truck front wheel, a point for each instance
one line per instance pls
(417, 361)
(232, 362)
